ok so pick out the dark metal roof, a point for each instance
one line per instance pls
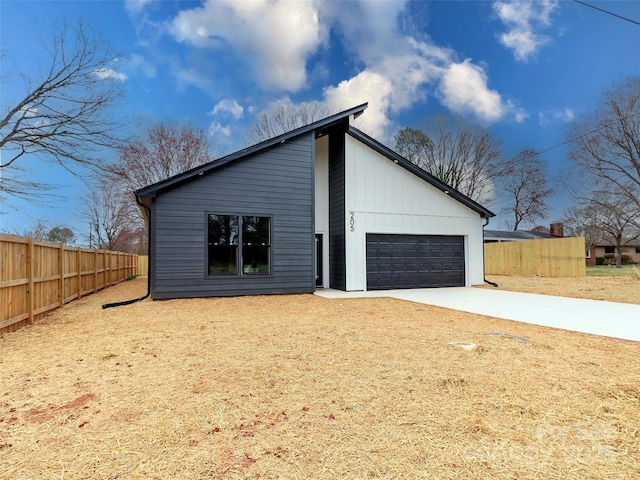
(319, 127)
(510, 236)
(413, 168)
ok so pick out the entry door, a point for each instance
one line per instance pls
(414, 261)
(318, 260)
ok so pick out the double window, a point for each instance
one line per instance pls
(239, 245)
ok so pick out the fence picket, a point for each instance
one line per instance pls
(37, 277)
(556, 257)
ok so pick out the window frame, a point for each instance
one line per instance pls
(240, 267)
(242, 245)
(237, 245)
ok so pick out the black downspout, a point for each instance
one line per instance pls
(129, 302)
(485, 278)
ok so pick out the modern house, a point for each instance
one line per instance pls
(322, 206)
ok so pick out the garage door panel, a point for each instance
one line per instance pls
(414, 261)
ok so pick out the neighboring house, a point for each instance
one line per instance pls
(606, 250)
(556, 230)
(322, 206)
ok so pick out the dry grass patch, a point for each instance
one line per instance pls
(304, 387)
(623, 289)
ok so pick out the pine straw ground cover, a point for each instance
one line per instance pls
(299, 386)
(623, 289)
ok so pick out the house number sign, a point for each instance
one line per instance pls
(352, 221)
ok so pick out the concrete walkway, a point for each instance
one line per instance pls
(609, 319)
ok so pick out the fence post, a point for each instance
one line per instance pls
(61, 272)
(78, 265)
(30, 273)
(110, 257)
(95, 271)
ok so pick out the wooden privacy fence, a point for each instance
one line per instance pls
(555, 257)
(37, 277)
(143, 265)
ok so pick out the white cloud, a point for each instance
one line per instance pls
(395, 83)
(230, 107)
(216, 129)
(393, 71)
(523, 18)
(137, 61)
(400, 71)
(367, 86)
(276, 36)
(109, 73)
(191, 76)
(464, 90)
(29, 111)
(135, 6)
(369, 28)
(564, 115)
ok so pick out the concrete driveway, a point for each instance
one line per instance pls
(609, 319)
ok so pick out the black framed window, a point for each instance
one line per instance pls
(256, 245)
(223, 244)
(227, 232)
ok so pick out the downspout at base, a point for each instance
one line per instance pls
(483, 268)
(134, 300)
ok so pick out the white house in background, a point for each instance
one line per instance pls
(322, 206)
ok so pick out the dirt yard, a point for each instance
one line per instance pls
(301, 387)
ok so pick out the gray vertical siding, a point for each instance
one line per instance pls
(337, 264)
(276, 182)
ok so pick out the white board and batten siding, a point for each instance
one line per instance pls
(383, 197)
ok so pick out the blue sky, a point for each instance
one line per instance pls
(521, 69)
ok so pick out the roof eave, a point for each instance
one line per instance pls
(150, 191)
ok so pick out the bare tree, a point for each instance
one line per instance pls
(111, 225)
(582, 222)
(615, 217)
(414, 145)
(605, 145)
(41, 231)
(65, 114)
(526, 188)
(37, 230)
(166, 150)
(462, 155)
(286, 117)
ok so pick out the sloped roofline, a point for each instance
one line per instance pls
(152, 190)
(319, 127)
(413, 168)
